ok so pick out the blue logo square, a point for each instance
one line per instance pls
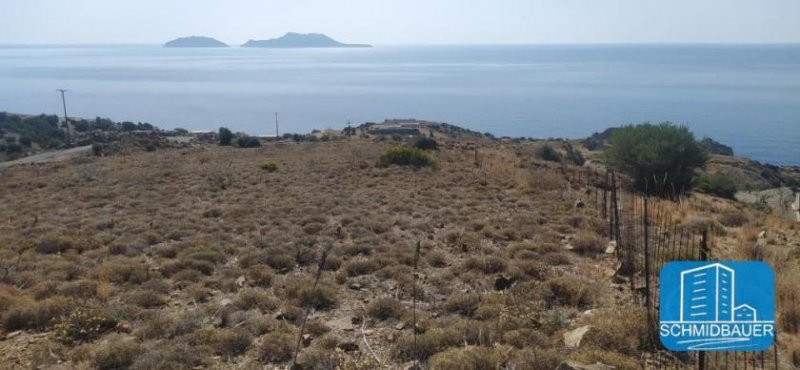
(717, 306)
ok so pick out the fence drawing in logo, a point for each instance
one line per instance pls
(713, 311)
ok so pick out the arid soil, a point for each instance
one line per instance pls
(201, 257)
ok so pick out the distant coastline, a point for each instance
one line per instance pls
(290, 40)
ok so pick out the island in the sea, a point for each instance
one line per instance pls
(301, 40)
(195, 42)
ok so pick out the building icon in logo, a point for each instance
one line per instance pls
(717, 306)
(707, 293)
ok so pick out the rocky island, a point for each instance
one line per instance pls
(195, 42)
(301, 40)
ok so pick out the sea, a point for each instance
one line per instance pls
(745, 96)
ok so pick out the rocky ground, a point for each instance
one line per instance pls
(207, 256)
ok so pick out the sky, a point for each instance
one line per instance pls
(386, 22)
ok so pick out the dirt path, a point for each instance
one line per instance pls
(47, 157)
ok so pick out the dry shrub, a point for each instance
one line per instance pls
(436, 259)
(83, 289)
(428, 343)
(255, 298)
(469, 358)
(276, 348)
(361, 266)
(62, 243)
(116, 352)
(322, 298)
(232, 343)
(525, 338)
(788, 300)
(568, 291)
(301, 290)
(536, 359)
(385, 308)
(171, 356)
(617, 360)
(732, 219)
(588, 243)
(451, 333)
(125, 272)
(83, 325)
(144, 298)
(172, 268)
(317, 359)
(621, 330)
(529, 269)
(7, 300)
(556, 259)
(36, 315)
(487, 265)
(462, 303)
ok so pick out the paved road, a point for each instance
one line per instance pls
(46, 157)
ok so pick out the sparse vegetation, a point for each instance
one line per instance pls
(197, 257)
(718, 184)
(425, 143)
(269, 167)
(405, 156)
(547, 152)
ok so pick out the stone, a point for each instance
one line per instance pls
(612, 247)
(13, 334)
(572, 365)
(225, 302)
(502, 283)
(348, 346)
(572, 338)
(240, 281)
(399, 326)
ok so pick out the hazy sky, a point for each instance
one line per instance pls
(403, 21)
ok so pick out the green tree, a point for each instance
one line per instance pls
(225, 136)
(647, 152)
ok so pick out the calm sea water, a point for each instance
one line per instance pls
(746, 96)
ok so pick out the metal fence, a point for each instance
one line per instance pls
(648, 231)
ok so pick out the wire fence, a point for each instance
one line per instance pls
(647, 230)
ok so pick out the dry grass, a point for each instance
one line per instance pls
(204, 259)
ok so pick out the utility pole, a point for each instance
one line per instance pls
(277, 133)
(66, 118)
(64, 103)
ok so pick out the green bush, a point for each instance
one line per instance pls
(546, 152)
(248, 142)
(573, 155)
(225, 136)
(405, 156)
(269, 167)
(647, 152)
(425, 143)
(718, 184)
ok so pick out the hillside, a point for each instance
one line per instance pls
(301, 40)
(206, 256)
